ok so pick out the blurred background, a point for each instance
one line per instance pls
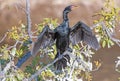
(12, 12)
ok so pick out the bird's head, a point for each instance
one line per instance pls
(70, 8)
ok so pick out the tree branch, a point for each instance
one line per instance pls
(72, 69)
(28, 54)
(28, 18)
(3, 38)
(23, 59)
(40, 70)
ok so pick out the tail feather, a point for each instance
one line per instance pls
(62, 63)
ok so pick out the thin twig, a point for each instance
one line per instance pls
(19, 6)
(14, 46)
(28, 18)
(72, 69)
(35, 32)
(3, 38)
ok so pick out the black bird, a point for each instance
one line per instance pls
(64, 35)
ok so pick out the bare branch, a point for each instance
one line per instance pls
(19, 5)
(28, 18)
(3, 38)
(14, 46)
(72, 69)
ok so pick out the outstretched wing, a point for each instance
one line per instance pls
(46, 38)
(81, 32)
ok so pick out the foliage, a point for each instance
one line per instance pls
(109, 14)
(9, 52)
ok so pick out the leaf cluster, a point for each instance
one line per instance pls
(109, 14)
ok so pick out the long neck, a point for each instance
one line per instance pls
(65, 15)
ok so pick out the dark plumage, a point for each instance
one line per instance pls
(64, 35)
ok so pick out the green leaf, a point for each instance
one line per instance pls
(20, 75)
(111, 42)
(103, 43)
(13, 51)
(19, 53)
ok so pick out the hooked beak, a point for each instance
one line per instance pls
(74, 7)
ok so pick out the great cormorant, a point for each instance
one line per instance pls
(64, 35)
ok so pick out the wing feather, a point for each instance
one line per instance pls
(81, 32)
(46, 38)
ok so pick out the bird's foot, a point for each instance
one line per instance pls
(69, 49)
(60, 56)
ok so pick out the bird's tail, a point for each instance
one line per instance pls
(62, 63)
